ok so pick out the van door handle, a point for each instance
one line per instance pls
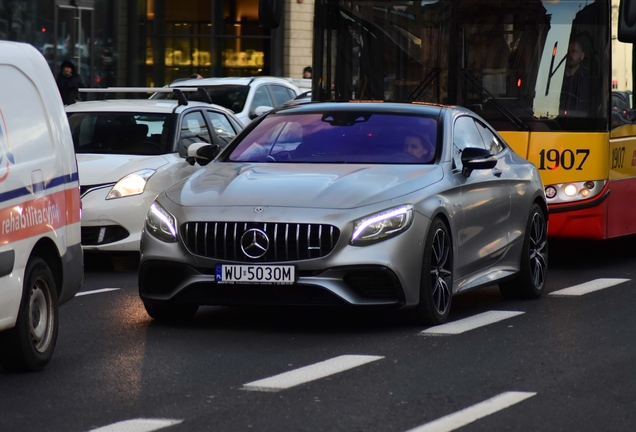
(497, 172)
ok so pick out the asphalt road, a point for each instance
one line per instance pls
(561, 363)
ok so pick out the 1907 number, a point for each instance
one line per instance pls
(567, 159)
(618, 157)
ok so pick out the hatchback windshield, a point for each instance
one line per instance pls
(120, 133)
(340, 137)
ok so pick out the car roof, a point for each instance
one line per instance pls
(379, 106)
(135, 105)
(243, 81)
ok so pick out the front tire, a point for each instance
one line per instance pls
(29, 345)
(171, 312)
(436, 281)
(529, 283)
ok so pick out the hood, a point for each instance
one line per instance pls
(301, 185)
(97, 169)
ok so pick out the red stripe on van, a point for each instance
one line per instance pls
(39, 216)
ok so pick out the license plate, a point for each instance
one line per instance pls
(256, 274)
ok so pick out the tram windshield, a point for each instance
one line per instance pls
(520, 64)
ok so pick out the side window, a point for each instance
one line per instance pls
(465, 134)
(222, 127)
(261, 98)
(494, 144)
(193, 129)
(280, 94)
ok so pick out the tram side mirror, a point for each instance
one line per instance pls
(270, 13)
(627, 21)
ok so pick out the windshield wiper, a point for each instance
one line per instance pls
(514, 119)
(472, 80)
(427, 82)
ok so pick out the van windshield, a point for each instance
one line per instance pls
(120, 133)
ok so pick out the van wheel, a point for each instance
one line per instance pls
(529, 283)
(171, 312)
(436, 281)
(29, 345)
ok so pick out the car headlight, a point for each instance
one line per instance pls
(381, 226)
(161, 224)
(132, 184)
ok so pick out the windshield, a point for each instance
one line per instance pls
(520, 64)
(340, 137)
(120, 133)
(228, 96)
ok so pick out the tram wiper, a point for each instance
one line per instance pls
(427, 82)
(472, 80)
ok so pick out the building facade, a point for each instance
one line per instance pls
(154, 42)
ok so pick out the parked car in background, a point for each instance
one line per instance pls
(246, 97)
(130, 150)
(349, 204)
(41, 260)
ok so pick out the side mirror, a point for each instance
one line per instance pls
(476, 158)
(260, 110)
(202, 153)
(627, 21)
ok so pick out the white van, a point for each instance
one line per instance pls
(41, 261)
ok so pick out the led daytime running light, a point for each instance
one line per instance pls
(384, 216)
(164, 218)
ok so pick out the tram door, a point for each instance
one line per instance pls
(74, 24)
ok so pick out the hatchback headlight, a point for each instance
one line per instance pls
(161, 224)
(381, 226)
(132, 184)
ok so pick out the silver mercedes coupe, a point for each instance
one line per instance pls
(349, 204)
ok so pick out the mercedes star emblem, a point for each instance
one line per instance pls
(254, 243)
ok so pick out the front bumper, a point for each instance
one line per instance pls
(355, 285)
(116, 224)
(384, 274)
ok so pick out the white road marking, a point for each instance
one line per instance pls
(82, 293)
(588, 287)
(470, 323)
(310, 373)
(473, 413)
(138, 425)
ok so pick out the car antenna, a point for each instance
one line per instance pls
(180, 97)
(205, 95)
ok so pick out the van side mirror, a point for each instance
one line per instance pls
(202, 153)
(627, 21)
(270, 13)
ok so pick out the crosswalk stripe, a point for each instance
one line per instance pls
(138, 425)
(83, 293)
(473, 413)
(470, 323)
(310, 373)
(588, 287)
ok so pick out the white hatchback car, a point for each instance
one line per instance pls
(246, 97)
(129, 151)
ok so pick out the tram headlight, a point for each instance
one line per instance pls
(589, 184)
(585, 193)
(570, 190)
(550, 192)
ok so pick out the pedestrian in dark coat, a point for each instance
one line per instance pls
(68, 82)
